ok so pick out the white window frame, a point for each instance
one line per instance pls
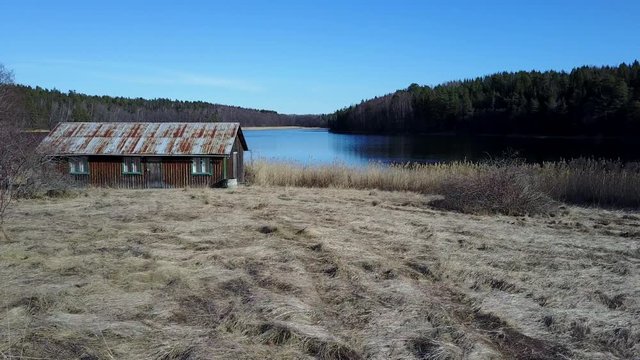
(201, 166)
(131, 165)
(79, 165)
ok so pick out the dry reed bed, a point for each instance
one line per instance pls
(274, 272)
(580, 181)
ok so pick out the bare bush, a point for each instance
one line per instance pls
(8, 163)
(504, 188)
(24, 172)
(14, 166)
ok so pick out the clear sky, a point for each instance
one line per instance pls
(301, 56)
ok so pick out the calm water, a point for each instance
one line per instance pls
(315, 146)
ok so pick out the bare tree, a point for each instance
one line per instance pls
(6, 103)
(60, 112)
(23, 170)
(14, 165)
(8, 166)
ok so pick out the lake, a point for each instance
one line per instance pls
(319, 146)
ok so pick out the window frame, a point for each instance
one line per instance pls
(126, 166)
(74, 161)
(208, 166)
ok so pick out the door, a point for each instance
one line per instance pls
(235, 165)
(154, 173)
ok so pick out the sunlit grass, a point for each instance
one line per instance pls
(579, 181)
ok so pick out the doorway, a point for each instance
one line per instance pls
(154, 173)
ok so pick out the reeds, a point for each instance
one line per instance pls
(581, 181)
(402, 177)
(591, 182)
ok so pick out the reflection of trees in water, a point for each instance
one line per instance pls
(322, 147)
(430, 148)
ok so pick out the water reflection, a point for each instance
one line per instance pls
(320, 146)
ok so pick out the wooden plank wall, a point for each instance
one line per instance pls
(176, 172)
(237, 146)
(106, 171)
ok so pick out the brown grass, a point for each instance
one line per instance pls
(592, 182)
(408, 177)
(512, 186)
(274, 272)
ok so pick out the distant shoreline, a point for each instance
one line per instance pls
(283, 128)
(244, 128)
(469, 135)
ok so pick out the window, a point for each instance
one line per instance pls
(78, 165)
(201, 166)
(131, 165)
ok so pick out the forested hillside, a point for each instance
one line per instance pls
(586, 101)
(42, 109)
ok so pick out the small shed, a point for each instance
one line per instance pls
(149, 155)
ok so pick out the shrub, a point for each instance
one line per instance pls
(506, 190)
(24, 172)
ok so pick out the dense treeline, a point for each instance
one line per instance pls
(43, 109)
(586, 101)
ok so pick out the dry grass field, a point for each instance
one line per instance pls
(276, 272)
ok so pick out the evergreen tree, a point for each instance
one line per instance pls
(588, 100)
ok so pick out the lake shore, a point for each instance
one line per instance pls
(284, 272)
(253, 128)
(587, 182)
(488, 135)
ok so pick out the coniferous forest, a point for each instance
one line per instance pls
(39, 108)
(587, 101)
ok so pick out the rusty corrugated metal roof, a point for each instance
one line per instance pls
(142, 138)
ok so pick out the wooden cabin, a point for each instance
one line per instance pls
(149, 155)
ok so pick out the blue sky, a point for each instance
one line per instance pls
(301, 56)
